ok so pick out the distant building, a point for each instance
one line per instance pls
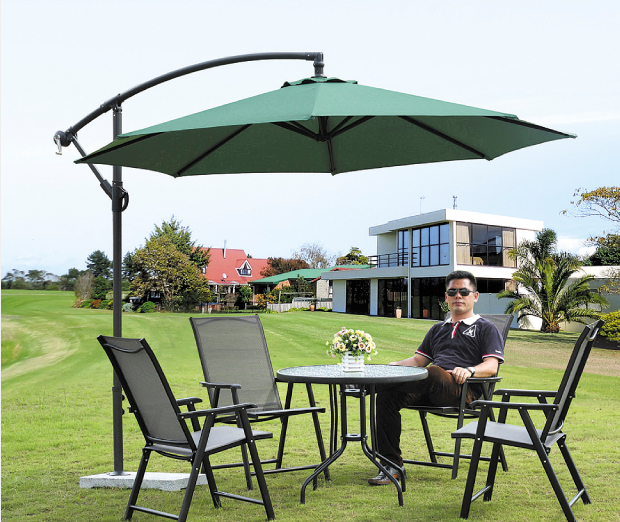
(230, 268)
(415, 254)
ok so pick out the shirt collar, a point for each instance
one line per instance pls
(469, 321)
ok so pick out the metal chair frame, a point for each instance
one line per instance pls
(263, 412)
(460, 413)
(528, 436)
(173, 440)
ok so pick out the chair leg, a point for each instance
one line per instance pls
(282, 442)
(456, 458)
(246, 468)
(137, 483)
(197, 464)
(471, 478)
(570, 463)
(260, 478)
(427, 436)
(211, 482)
(553, 479)
(488, 493)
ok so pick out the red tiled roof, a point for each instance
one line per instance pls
(223, 270)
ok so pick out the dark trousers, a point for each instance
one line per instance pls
(438, 389)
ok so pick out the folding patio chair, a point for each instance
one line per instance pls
(165, 427)
(527, 436)
(234, 350)
(460, 413)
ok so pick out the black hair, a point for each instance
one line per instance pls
(462, 274)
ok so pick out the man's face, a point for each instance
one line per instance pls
(461, 306)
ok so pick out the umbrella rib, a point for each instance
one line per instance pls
(118, 147)
(339, 128)
(184, 169)
(293, 126)
(458, 143)
(530, 125)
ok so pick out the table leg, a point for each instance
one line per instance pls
(333, 434)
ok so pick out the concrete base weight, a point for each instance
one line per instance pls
(161, 481)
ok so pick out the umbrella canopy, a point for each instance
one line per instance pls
(321, 125)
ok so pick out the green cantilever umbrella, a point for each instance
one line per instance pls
(321, 125)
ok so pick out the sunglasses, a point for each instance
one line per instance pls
(463, 291)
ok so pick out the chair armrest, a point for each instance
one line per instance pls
(221, 385)
(472, 380)
(217, 411)
(514, 405)
(525, 393)
(188, 401)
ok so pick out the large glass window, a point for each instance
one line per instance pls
(487, 245)
(358, 296)
(392, 294)
(430, 246)
(426, 295)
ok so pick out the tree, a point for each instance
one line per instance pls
(315, 255)
(280, 265)
(99, 264)
(84, 286)
(130, 269)
(181, 238)
(69, 280)
(544, 274)
(163, 268)
(607, 251)
(603, 202)
(354, 257)
(15, 279)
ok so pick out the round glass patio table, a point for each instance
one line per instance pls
(352, 384)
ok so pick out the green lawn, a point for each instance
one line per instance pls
(56, 422)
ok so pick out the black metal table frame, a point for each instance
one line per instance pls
(364, 389)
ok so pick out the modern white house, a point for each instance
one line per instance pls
(416, 253)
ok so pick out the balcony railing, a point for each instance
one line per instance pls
(390, 260)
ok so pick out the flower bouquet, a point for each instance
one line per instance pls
(353, 346)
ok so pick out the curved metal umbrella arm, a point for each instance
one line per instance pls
(65, 138)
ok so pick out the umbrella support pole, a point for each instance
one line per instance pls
(120, 198)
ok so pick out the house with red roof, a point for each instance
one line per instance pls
(231, 267)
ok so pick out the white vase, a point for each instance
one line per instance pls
(352, 363)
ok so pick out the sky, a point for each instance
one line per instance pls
(553, 63)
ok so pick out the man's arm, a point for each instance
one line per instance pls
(417, 360)
(487, 368)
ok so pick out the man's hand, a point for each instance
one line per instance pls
(460, 375)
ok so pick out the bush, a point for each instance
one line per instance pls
(147, 308)
(127, 307)
(86, 303)
(95, 303)
(611, 328)
(105, 305)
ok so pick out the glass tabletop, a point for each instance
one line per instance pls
(334, 374)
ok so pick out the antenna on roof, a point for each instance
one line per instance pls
(454, 202)
(224, 249)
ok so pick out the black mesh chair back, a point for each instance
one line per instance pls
(234, 350)
(147, 390)
(527, 436)
(165, 427)
(572, 375)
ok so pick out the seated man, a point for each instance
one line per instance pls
(458, 348)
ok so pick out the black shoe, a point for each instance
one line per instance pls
(382, 479)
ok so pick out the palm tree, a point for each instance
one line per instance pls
(544, 274)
